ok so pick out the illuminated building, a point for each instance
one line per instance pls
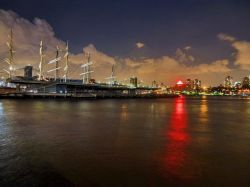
(246, 82)
(180, 86)
(228, 83)
(196, 84)
(237, 84)
(154, 84)
(193, 85)
(133, 81)
(179, 83)
(189, 84)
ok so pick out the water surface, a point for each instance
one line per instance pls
(154, 142)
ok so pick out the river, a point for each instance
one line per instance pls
(187, 141)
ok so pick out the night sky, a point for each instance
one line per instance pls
(114, 27)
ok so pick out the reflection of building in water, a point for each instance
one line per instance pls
(178, 139)
(124, 112)
(204, 137)
(203, 117)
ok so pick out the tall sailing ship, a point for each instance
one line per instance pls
(55, 82)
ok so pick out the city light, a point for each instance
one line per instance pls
(179, 83)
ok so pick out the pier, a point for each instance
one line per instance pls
(74, 89)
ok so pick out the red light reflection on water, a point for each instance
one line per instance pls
(178, 139)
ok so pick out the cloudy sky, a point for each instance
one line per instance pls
(163, 40)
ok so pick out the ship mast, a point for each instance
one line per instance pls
(112, 77)
(56, 61)
(40, 74)
(86, 74)
(66, 56)
(10, 61)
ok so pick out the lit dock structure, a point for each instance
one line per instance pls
(76, 89)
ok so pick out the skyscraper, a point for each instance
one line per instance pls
(189, 84)
(228, 83)
(196, 84)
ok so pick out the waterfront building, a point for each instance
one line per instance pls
(246, 82)
(196, 84)
(189, 84)
(154, 84)
(228, 83)
(180, 86)
(237, 84)
(133, 81)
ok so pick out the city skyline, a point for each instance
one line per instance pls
(209, 55)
